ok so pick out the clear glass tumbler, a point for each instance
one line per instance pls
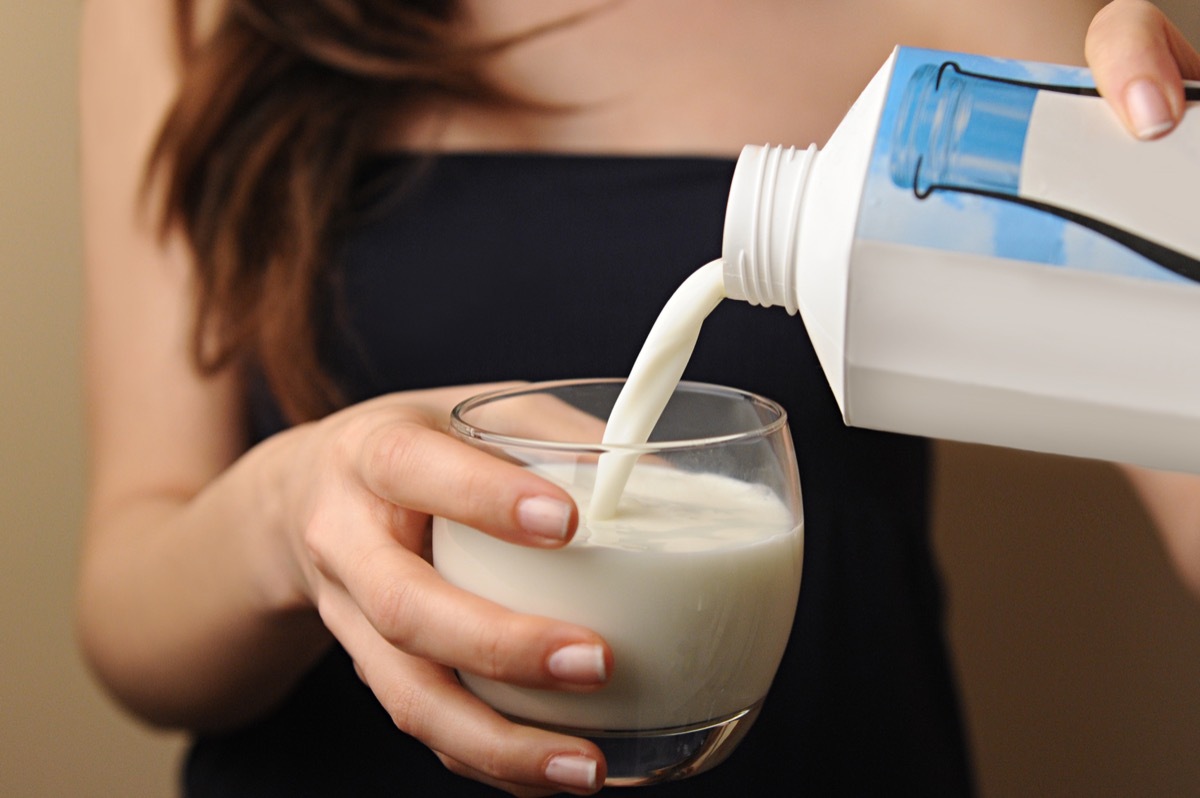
(693, 582)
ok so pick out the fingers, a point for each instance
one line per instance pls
(427, 702)
(366, 535)
(364, 529)
(568, 772)
(411, 607)
(411, 465)
(1139, 60)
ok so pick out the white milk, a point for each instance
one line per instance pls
(653, 378)
(693, 585)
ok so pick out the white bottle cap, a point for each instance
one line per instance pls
(762, 225)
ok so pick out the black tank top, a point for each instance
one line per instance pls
(506, 266)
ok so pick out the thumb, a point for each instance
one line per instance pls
(1139, 60)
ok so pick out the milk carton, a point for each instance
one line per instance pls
(982, 253)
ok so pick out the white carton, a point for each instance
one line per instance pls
(982, 253)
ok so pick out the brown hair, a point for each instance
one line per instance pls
(277, 111)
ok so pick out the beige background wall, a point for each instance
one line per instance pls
(58, 735)
(1079, 652)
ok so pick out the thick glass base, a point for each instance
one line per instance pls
(648, 756)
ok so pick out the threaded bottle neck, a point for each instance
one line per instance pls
(762, 224)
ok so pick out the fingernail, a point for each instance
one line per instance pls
(544, 517)
(1148, 110)
(572, 770)
(581, 663)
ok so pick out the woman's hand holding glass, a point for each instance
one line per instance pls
(359, 488)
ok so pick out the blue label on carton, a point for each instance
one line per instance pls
(951, 170)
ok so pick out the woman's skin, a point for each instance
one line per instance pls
(213, 577)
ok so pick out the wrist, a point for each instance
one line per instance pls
(274, 540)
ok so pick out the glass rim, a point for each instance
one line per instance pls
(477, 433)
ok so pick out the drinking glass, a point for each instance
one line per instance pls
(692, 582)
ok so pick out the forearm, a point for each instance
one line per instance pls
(1140, 60)
(1173, 502)
(182, 609)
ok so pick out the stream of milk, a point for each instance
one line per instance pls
(652, 380)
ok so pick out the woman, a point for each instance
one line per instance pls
(280, 281)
